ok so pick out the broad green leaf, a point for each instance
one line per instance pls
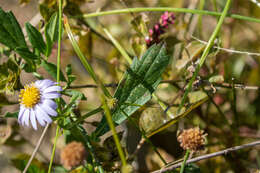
(51, 33)
(26, 54)
(138, 84)
(140, 81)
(11, 115)
(11, 33)
(35, 37)
(52, 70)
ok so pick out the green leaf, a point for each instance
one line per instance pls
(29, 57)
(70, 76)
(138, 83)
(11, 115)
(26, 54)
(74, 93)
(52, 70)
(35, 37)
(51, 33)
(11, 33)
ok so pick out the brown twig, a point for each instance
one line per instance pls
(207, 156)
(223, 85)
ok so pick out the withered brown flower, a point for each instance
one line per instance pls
(72, 155)
(192, 139)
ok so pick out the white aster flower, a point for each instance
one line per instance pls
(36, 103)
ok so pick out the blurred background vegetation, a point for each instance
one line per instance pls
(230, 117)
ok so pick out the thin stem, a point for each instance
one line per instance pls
(59, 41)
(205, 52)
(36, 148)
(161, 9)
(54, 148)
(184, 161)
(58, 80)
(113, 129)
(207, 156)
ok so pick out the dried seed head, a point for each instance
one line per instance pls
(192, 139)
(72, 155)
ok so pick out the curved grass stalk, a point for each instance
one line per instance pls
(205, 53)
(162, 9)
(84, 60)
(175, 119)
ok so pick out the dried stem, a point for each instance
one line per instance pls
(36, 149)
(207, 156)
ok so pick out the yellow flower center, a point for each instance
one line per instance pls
(29, 96)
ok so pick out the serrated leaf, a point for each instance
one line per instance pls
(26, 54)
(51, 32)
(52, 70)
(138, 83)
(11, 33)
(35, 37)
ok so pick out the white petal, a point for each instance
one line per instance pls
(48, 109)
(25, 118)
(50, 103)
(33, 119)
(52, 89)
(21, 112)
(44, 115)
(51, 95)
(39, 117)
(44, 84)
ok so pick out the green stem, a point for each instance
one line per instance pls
(161, 9)
(59, 41)
(58, 81)
(113, 129)
(205, 52)
(184, 161)
(54, 148)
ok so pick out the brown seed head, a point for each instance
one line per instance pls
(72, 155)
(192, 139)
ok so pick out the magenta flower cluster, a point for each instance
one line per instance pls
(159, 28)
